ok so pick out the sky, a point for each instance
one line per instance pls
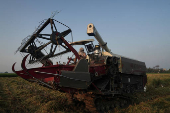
(138, 29)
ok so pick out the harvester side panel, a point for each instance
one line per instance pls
(130, 66)
(79, 80)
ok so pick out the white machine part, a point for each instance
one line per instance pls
(92, 31)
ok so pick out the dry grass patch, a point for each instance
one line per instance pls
(21, 96)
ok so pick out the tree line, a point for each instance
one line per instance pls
(157, 70)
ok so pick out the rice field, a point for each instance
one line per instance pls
(20, 96)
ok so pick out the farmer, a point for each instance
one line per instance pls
(82, 53)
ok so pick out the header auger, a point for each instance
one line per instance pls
(101, 80)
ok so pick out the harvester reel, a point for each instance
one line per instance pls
(54, 39)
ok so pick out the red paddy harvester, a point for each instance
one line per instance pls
(102, 80)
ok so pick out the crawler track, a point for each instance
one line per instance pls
(98, 103)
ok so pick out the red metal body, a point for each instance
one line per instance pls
(49, 74)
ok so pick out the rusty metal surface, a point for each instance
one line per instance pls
(130, 66)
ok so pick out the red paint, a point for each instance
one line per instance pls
(69, 61)
(101, 70)
(49, 79)
(71, 48)
(49, 73)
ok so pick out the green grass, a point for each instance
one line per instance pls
(8, 75)
(18, 95)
